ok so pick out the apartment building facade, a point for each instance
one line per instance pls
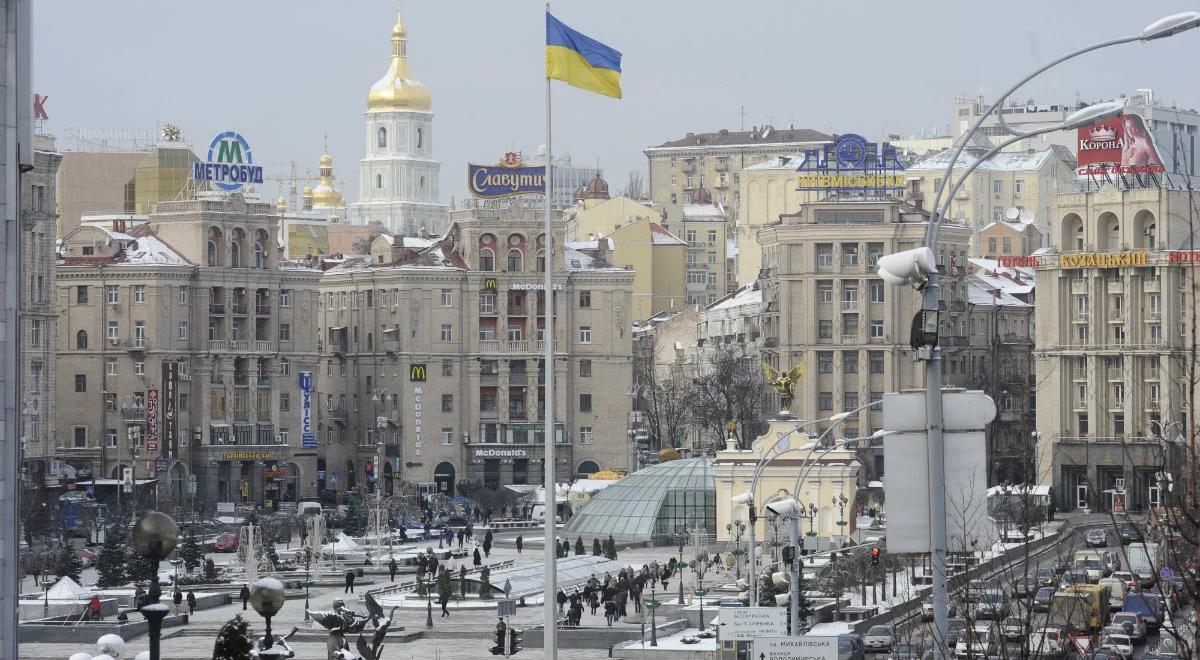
(432, 370)
(180, 349)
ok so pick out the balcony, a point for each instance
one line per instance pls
(1116, 316)
(391, 346)
(241, 380)
(1115, 374)
(1079, 375)
(689, 167)
(850, 306)
(518, 379)
(1115, 286)
(132, 413)
(1151, 286)
(517, 413)
(1082, 317)
(721, 166)
(957, 305)
(135, 345)
(262, 380)
(339, 416)
(489, 413)
(262, 310)
(955, 340)
(238, 309)
(337, 347)
(216, 309)
(1013, 338)
(264, 346)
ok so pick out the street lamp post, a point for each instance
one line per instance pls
(680, 541)
(46, 584)
(428, 583)
(154, 536)
(307, 579)
(699, 566)
(655, 572)
(737, 551)
(266, 597)
(840, 502)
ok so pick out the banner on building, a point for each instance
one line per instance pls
(509, 177)
(308, 438)
(1122, 145)
(170, 408)
(152, 420)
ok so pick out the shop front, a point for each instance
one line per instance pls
(519, 459)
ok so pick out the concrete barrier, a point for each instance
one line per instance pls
(87, 632)
(583, 637)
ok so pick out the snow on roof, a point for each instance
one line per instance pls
(149, 250)
(1019, 225)
(1017, 281)
(743, 296)
(981, 292)
(703, 211)
(573, 259)
(589, 245)
(660, 236)
(1004, 161)
(779, 163)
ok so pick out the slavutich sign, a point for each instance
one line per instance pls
(1103, 260)
(509, 177)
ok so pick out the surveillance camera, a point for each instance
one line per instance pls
(781, 579)
(784, 507)
(743, 498)
(782, 600)
(907, 267)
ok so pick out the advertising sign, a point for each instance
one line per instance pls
(1103, 259)
(805, 647)
(152, 420)
(417, 419)
(851, 164)
(1122, 145)
(170, 408)
(417, 373)
(1017, 262)
(509, 177)
(747, 623)
(229, 164)
(308, 437)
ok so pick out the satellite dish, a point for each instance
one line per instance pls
(1026, 215)
(1012, 213)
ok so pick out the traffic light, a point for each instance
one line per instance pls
(789, 555)
(874, 556)
(498, 649)
(514, 641)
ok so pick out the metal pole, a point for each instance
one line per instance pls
(548, 605)
(937, 469)
(750, 563)
(794, 598)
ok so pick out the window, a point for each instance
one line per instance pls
(825, 362)
(110, 367)
(139, 368)
(992, 245)
(447, 435)
(489, 367)
(183, 295)
(35, 333)
(139, 333)
(825, 329)
(825, 401)
(80, 382)
(420, 138)
(674, 198)
(1081, 424)
(997, 188)
(712, 257)
(585, 403)
(585, 299)
(447, 368)
(825, 291)
(285, 332)
(874, 252)
(285, 367)
(1019, 186)
(849, 325)
(849, 254)
(850, 362)
(285, 401)
(381, 138)
(487, 260)
(79, 437)
(139, 294)
(1007, 243)
(849, 403)
(712, 235)
(824, 255)
(876, 329)
(487, 303)
(876, 360)
(114, 332)
(183, 330)
(81, 295)
(1118, 423)
(514, 261)
(88, 250)
(585, 368)
(111, 294)
(876, 292)
(447, 403)
(81, 340)
(585, 435)
(110, 437)
(447, 298)
(585, 334)
(184, 401)
(379, 182)
(447, 332)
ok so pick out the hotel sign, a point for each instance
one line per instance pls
(248, 456)
(508, 177)
(1103, 260)
(851, 164)
(152, 420)
(1017, 262)
(1184, 257)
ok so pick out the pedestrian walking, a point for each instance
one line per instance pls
(594, 602)
(177, 599)
(610, 612)
(520, 543)
(349, 583)
(191, 601)
(562, 600)
(94, 608)
(245, 595)
(460, 537)
(392, 568)
(478, 559)
(139, 595)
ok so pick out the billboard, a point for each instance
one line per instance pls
(1122, 145)
(230, 164)
(308, 437)
(170, 408)
(509, 177)
(152, 420)
(851, 164)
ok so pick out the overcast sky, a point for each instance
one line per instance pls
(284, 72)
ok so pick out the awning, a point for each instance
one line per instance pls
(112, 482)
(219, 425)
(337, 328)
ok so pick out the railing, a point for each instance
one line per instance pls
(1082, 317)
(263, 381)
(216, 309)
(391, 345)
(136, 344)
(1014, 338)
(517, 413)
(262, 310)
(241, 415)
(337, 347)
(339, 415)
(771, 342)
(958, 305)
(264, 346)
(238, 309)
(489, 413)
(241, 380)
(849, 305)
(133, 413)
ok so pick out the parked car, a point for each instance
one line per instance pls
(1041, 600)
(1047, 577)
(1132, 580)
(1178, 591)
(1013, 628)
(1097, 538)
(927, 609)
(1132, 624)
(1024, 587)
(227, 542)
(878, 638)
(975, 643)
(88, 556)
(1119, 642)
(1048, 643)
(992, 604)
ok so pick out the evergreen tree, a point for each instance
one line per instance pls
(190, 551)
(111, 564)
(596, 549)
(611, 552)
(579, 545)
(485, 587)
(141, 568)
(67, 562)
(233, 641)
(210, 571)
(356, 518)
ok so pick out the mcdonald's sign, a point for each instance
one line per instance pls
(489, 284)
(417, 373)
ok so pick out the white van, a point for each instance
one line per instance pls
(1116, 592)
(306, 509)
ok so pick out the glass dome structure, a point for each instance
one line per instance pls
(653, 503)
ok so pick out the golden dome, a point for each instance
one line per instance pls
(326, 160)
(397, 90)
(281, 204)
(325, 194)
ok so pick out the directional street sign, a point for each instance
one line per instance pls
(795, 648)
(506, 607)
(654, 604)
(747, 623)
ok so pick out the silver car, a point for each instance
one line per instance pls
(878, 638)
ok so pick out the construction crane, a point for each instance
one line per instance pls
(292, 182)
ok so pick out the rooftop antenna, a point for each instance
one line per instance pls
(742, 118)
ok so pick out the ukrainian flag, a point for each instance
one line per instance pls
(579, 60)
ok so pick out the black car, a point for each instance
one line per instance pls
(1179, 592)
(1129, 533)
(1041, 600)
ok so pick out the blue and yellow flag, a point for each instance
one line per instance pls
(580, 60)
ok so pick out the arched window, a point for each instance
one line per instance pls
(420, 140)
(235, 255)
(258, 255)
(379, 182)
(487, 260)
(81, 340)
(515, 264)
(381, 138)
(212, 254)
(541, 261)
(370, 342)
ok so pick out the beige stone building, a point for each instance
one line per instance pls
(435, 351)
(597, 216)
(1010, 239)
(196, 301)
(767, 191)
(1027, 181)
(704, 227)
(826, 306)
(39, 318)
(1112, 335)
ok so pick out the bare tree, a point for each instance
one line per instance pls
(732, 389)
(635, 186)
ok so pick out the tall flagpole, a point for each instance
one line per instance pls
(551, 544)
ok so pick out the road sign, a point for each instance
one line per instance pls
(795, 648)
(1166, 573)
(747, 623)
(506, 607)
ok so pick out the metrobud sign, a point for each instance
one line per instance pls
(229, 165)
